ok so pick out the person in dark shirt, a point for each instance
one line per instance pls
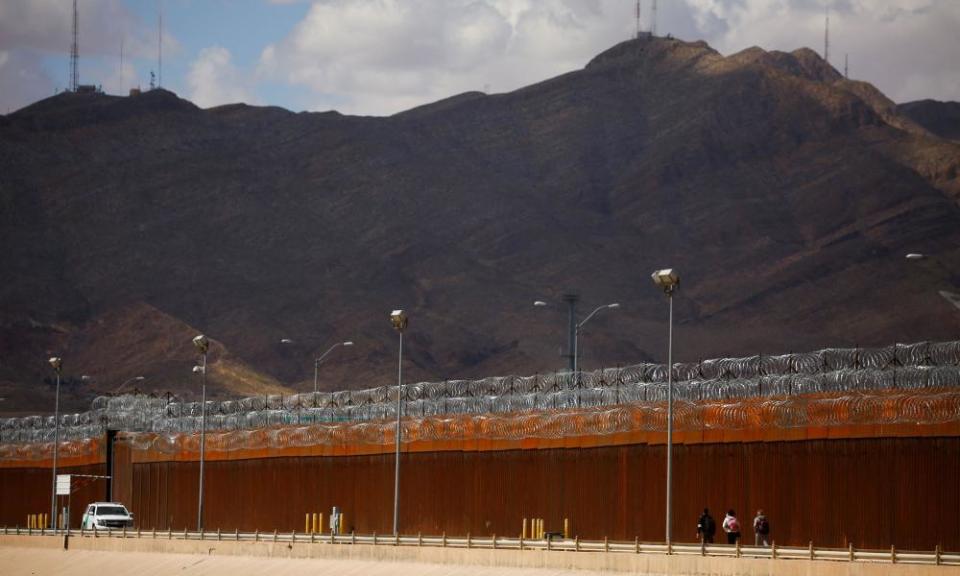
(706, 527)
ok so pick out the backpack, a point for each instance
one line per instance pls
(763, 527)
(734, 525)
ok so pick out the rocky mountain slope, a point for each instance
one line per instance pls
(785, 195)
(940, 118)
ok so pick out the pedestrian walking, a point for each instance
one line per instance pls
(706, 527)
(761, 529)
(732, 527)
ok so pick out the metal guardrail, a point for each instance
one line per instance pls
(774, 552)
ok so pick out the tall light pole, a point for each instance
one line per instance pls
(57, 363)
(399, 320)
(574, 326)
(669, 280)
(317, 361)
(202, 345)
(127, 381)
(576, 336)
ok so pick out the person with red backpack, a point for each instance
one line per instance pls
(761, 529)
(732, 527)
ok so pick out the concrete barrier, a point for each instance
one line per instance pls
(409, 559)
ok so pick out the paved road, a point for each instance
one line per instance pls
(53, 562)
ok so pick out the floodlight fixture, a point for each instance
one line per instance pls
(57, 363)
(915, 256)
(202, 343)
(668, 279)
(399, 320)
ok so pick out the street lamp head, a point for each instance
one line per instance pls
(201, 343)
(198, 369)
(668, 279)
(57, 363)
(348, 343)
(286, 341)
(915, 256)
(540, 303)
(614, 305)
(399, 320)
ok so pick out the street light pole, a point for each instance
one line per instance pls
(203, 345)
(668, 280)
(576, 337)
(57, 363)
(399, 320)
(317, 361)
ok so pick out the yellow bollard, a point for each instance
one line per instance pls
(523, 532)
(540, 528)
(316, 523)
(29, 521)
(566, 528)
(46, 520)
(320, 523)
(340, 526)
(306, 524)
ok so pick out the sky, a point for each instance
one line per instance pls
(378, 57)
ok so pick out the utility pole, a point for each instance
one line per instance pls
(74, 53)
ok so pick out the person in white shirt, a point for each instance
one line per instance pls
(732, 527)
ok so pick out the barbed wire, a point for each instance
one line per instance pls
(726, 381)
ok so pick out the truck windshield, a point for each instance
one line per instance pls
(111, 511)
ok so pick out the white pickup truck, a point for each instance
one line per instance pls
(106, 515)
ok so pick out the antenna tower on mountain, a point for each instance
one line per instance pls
(120, 81)
(74, 53)
(639, 6)
(653, 18)
(826, 36)
(846, 66)
(159, 43)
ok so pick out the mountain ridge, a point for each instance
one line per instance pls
(785, 194)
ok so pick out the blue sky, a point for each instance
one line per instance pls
(382, 56)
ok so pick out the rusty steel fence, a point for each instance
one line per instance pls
(901, 383)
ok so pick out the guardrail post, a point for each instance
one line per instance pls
(576, 543)
(110, 532)
(469, 545)
(331, 536)
(256, 535)
(444, 539)
(773, 549)
(521, 539)
(811, 550)
(293, 536)
(670, 548)
(494, 541)
(936, 554)
(893, 554)
(201, 533)
(236, 534)
(96, 532)
(275, 534)
(353, 537)
(138, 532)
(313, 538)
(606, 544)
(169, 533)
(549, 540)
(154, 532)
(636, 544)
(124, 534)
(738, 547)
(374, 537)
(419, 538)
(703, 546)
(218, 534)
(851, 551)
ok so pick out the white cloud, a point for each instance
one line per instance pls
(214, 80)
(379, 57)
(383, 56)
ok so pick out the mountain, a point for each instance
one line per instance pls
(784, 194)
(940, 118)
